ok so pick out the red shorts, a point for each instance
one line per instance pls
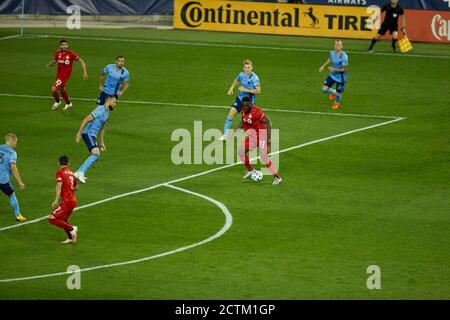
(61, 81)
(251, 142)
(64, 210)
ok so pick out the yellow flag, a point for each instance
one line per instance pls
(404, 45)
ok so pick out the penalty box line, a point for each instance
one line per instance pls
(210, 106)
(302, 145)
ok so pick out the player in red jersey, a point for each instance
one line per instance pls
(257, 127)
(64, 57)
(66, 185)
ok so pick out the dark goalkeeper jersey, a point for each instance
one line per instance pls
(392, 14)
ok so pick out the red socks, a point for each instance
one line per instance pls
(245, 159)
(63, 224)
(65, 96)
(55, 93)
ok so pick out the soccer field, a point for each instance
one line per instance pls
(365, 185)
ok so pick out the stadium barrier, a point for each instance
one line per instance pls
(304, 19)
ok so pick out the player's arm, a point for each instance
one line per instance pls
(404, 23)
(254, 91)
(343, 69)
(84, 66)
(325, 64)
(58, 195)
(234, 84)
(16, 174)
(51, 63)
(101, 79)
(85, 121)
(102, 139)
(124, 88)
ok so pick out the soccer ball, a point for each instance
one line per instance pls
(257, 175)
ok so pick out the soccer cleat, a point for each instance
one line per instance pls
(21, 218)
(223, 138)
(332, 96)
(67, 241)
(56, 105)
(335, 106)
(370, 50)
(74, 233)
(277, 180)
(80, 176)
(248, 174)
(68, 106)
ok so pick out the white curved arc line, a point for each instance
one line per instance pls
(226, 226)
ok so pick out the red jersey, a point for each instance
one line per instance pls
(253, 119)
(65, 62)
(69, 182)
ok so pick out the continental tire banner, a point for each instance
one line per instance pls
(275, 18)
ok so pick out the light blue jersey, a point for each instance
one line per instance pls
(114, 79)
(93, 127)
(248, 82)
(7, 157)
(338, 61)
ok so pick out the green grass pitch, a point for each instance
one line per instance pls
(374, 197)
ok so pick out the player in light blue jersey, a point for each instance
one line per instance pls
(116, 83)
(338, 73)
(250, 86)
(90, 127)
(8, 164)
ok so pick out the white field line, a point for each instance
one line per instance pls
(208, 171)
(226, 212)
(224, 45)
(207, 106)
(10, 37)
(226, 226)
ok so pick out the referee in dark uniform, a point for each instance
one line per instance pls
(393, 11)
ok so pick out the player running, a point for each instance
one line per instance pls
(338, 73)
(250, 86)
(90, 127)
(8, 164)
(64, 57)
(66, 185)
(390, 22)
(116, 83)
(257, 127)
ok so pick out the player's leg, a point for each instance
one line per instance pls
(65, 95)
(249, 144)
(327, 87)
(55, 93)
(59, 218)
(101, 99)
(235, 108)
(340, 86)
(8, 190)
(94, 149)
(264, 150)
(394, 40)
(380, 33)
